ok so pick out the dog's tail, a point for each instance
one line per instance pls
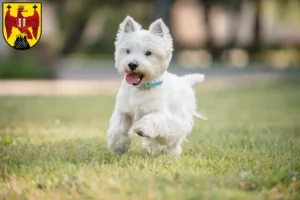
(192, 79)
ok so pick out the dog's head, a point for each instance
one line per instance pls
(142, 55)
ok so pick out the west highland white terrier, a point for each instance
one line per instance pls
(151, 102)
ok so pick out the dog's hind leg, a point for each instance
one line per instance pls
(117, 133)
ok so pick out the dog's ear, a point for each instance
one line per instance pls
(129, 25)
(159, 28)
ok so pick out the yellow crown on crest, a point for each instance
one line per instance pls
(22, 35)
(21, 6)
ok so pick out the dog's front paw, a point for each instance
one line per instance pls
(141, 129)
(140, 132)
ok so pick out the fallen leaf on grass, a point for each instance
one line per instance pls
(8, 140)
(277, 192)
(243, 185)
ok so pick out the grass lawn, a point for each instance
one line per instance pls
(55, 148)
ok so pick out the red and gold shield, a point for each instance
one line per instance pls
(22, 24)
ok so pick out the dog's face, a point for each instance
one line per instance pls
(142, 55)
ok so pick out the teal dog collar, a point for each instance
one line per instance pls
(150, 85)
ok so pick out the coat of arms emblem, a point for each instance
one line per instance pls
(22, 24)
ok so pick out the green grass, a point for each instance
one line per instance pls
(55, 148)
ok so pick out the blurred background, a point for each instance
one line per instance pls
(216, 37)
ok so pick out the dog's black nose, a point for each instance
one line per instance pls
(132, 66)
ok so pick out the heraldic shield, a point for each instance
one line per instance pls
(21, 24)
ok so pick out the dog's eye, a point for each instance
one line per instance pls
(128, 51)
(148, 53)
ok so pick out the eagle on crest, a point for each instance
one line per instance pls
(22, 23)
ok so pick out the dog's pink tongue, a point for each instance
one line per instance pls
(132, 78)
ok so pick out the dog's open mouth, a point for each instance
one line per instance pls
(134, 78)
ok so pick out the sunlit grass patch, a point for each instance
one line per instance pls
(55, 148)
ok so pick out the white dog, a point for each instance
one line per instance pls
(152, 103)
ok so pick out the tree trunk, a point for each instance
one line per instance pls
(214, 50)
(257, 27)
(235, 12)
(78, 23)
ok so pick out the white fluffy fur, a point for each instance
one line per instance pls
(162, 115)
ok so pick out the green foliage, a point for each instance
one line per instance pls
(22, 69)
(248, 149)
